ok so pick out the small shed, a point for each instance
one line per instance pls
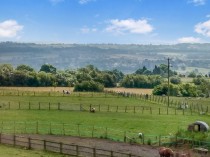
(198, 126)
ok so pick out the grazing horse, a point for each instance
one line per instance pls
(66, 92)
(166, 152)
(92, 110)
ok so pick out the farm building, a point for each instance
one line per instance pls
(198, 126)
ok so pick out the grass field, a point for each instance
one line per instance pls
(139, 121)
(48, 111)
(8, 151)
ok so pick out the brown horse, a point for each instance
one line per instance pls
(166, 152)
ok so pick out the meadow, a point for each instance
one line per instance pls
(119, 116)
(123, 114)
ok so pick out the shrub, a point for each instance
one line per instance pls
(89, 86)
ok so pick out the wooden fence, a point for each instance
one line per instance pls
(138, 109)
(94, 131)
(59, 147)
(177, 105)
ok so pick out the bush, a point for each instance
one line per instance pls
(89, 86)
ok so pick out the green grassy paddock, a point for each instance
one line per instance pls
(117, 115)
(8, 151)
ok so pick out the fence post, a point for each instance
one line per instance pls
(29, 143)
(99, 107)
(50, 128)
(49, 105)
(63, 129)
(14, 140)
(19, 104)
(134, 109)
(175, 111)
(159, 140)
(60, 108)
(77, 150)
(14, 129)
(111, 153)
(106, 133)
(150, 110)
(159, 111)
(78, 129)
(94, 152)
(29, 105)
(117, 109)
(37, 127)
(44, 145)
(125, 136)
(61, 147)
(39, 105)
(25, 127)
(125, 108)
(93, 131)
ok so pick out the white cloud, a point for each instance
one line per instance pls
(9, 28)
(85, 1)
(130, 26)
(198, 2)
(189, 40)
(203, 28)
(88, 30)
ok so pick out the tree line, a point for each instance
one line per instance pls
(85, 78)
(90, 78)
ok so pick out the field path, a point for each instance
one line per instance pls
(135, 149)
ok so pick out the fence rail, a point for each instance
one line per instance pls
(94, 131)
(174, 103)
(137, 109)
(59, 147)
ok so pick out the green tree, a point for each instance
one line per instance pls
(90, 86)
(175, 80)
(48, 68)
(24, 68)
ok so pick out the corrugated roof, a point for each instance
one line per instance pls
(203, 123)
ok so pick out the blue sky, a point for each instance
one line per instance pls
(105, 21)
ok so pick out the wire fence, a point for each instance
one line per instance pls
(177, 104)
(137, 109)
(97, 132)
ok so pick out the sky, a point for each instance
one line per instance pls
(105, 21)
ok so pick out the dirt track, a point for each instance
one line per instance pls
(144, 151)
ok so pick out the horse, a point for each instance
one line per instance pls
(66, 92)
(166, 152)
(92, 110)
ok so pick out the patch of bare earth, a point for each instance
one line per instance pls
(135, 149)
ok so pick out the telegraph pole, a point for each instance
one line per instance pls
(168, 80)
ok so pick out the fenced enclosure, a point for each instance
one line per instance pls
(194, 105)
(59, 147)
(140, 109)
(96, 132)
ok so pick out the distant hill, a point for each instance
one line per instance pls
(127, 58)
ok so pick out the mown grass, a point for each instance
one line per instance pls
(116, 113)
(8, 151)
